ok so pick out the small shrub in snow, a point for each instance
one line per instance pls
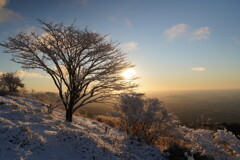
(216, 144)
(145, 118)
(10, 84)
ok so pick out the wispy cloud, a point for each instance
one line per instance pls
(29, 29)
(113, 19)
(128, 22)
(130, 46)
(183, 31)
(176, 31)
(202, 33)
(125, 21)
(235, 40)
(46, 36)
(22, 73)
(198, 69)
(7, 15)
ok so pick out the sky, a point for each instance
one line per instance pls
(175, 45)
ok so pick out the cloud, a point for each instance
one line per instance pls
(125, 21)
(202, 33)
(30, 29)
(130, 46)
(7, 15)
(128, 22)
(22, 73)
(3, 3)
(182, 30)
(45, 35)
(113, 19)
(63, 69)
(198, 69)
(236, 40)
(176, 31)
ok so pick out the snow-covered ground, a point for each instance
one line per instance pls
(27, 131)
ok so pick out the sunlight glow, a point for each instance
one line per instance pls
(128, 74)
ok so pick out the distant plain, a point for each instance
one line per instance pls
(193, 107)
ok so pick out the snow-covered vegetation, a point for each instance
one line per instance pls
(146, 118)
(27, 131)
(10, 84)
(219, 144)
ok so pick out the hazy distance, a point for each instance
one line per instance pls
(202, 106)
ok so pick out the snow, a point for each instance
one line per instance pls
(28, 132)
(219, 144)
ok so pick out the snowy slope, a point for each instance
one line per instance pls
(27, 131)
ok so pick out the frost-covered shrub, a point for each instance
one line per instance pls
(145, 118)
(10, 84)
(228, 142)
(219, 144)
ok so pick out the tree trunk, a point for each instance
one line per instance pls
(69, 115)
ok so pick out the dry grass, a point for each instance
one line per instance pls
(109, 120)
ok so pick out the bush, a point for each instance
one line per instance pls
(177, 152)
(10, 84)
(145, 118)
(3, 93)
(219, 144)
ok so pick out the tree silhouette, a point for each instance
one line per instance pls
(83, 64)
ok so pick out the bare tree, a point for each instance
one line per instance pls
(10, 83)
(84, 66)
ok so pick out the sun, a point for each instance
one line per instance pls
(128, 74)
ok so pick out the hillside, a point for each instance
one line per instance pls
(27, 131)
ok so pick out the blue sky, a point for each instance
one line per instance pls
(176, 45)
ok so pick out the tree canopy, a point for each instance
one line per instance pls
(84, 65)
